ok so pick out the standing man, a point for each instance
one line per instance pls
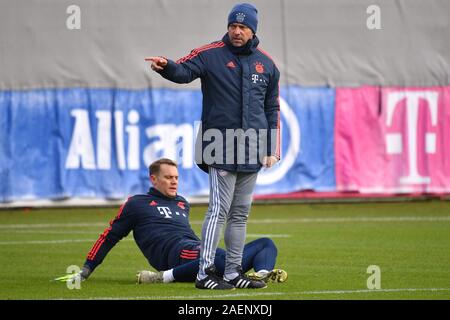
(239, 83)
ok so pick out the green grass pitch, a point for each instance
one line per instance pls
(325, 248)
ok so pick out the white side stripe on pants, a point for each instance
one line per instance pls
(212, 223)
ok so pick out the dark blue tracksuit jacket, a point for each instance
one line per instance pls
(240, 87)
(160, 228)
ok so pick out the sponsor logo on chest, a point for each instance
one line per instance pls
(257, 77)
(167, 213)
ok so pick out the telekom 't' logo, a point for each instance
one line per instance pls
(394, 140)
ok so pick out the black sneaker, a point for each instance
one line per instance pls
(212, 281)
(242, 281)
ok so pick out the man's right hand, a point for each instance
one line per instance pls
(82, 275)
(157, 63)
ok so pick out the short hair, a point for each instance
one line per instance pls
(155, 167)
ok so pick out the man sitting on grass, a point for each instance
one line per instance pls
(160, 224)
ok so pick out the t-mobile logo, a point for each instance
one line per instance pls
(165, 211)
(394, 140)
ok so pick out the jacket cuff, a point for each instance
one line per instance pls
(90, 266)
(168, 69)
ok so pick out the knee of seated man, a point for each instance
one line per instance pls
(268, 243)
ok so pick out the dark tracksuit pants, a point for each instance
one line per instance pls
(259, 254)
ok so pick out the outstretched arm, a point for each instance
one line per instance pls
(119, 228)
(185, 70)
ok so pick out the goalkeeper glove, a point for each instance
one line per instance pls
(82, 275)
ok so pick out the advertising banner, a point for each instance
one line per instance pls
(98, 143)
(393, 140)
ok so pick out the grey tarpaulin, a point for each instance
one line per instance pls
(314, 42)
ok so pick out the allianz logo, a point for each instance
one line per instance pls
(117, 142)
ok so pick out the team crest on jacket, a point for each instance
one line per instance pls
(153, 203)
(181, 205)
(259, 67)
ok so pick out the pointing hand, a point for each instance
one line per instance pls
(158, 63)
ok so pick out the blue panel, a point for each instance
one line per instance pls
(98, 143)
(307, 123)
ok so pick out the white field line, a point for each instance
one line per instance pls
(65, 241)
(255, 221)
(260, 294)
(52, 225)
(263, 221)
(95, 232)
(52, 232)
(353, 219)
